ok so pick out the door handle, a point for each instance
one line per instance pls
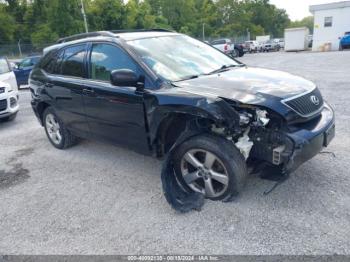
(87, 91)
(48, 85)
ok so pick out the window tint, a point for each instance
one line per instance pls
(106, 58)
(328, 21)
(53, 66)
(73, 61)
(4, 67)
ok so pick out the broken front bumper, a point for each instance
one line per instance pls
(311, 138)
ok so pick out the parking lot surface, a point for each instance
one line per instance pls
(99, 199)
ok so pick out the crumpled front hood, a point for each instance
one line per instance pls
(248, 85)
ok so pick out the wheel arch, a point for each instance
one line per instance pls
(41, 109)
(172, 124)
(186, 126)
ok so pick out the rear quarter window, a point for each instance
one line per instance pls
(51, 63)
(73, 61)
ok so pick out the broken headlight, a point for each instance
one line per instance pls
(261, 117)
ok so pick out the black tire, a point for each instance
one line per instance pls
(227, 153)
(68, 140)
(235, 53)
(10, 118)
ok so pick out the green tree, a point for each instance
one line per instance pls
(65, 18)
(7, 26)
(106, 14)
(139, 15)
(306, 21)
(179, 13)
(43, 35)
(41, 21)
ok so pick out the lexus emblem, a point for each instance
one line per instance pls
(315, 100)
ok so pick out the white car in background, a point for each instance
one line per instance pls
(8, 91)
(226, 46)
(280, 42)
(253, 46)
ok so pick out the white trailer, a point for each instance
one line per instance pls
(296, 39)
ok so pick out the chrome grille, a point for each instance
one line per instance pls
(3, 105)
(307, 104)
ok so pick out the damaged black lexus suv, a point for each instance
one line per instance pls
(211, 118)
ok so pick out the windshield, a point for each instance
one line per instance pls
(180, 57)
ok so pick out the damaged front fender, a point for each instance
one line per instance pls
(159, 105)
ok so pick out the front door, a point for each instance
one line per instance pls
(114, 113)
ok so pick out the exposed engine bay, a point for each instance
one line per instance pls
(261, 137)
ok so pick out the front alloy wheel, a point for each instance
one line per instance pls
(210, 165)
(204, 172)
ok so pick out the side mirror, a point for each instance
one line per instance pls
(124, 77)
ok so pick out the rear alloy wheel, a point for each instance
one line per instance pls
(53, 129)
(59, 136)
(210, 165)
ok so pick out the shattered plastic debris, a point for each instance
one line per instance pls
(176, 196)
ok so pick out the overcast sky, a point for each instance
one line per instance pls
(298, 9)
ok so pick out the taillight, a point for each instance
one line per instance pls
(226, 47)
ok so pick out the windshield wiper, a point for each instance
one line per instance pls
(188, 78)
(224, 68)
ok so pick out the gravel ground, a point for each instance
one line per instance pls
(99, 199)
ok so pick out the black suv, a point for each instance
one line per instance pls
(161, 93)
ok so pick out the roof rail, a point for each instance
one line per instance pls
(140, 30)
(84, 35)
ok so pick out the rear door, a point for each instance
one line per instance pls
(64, 84)
(115, 113)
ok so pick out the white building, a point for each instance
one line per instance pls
(331, 22)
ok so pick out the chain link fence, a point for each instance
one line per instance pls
(18, 51)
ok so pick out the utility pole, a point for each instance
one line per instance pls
(84, 15)
(19, 48)
(203, 32)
